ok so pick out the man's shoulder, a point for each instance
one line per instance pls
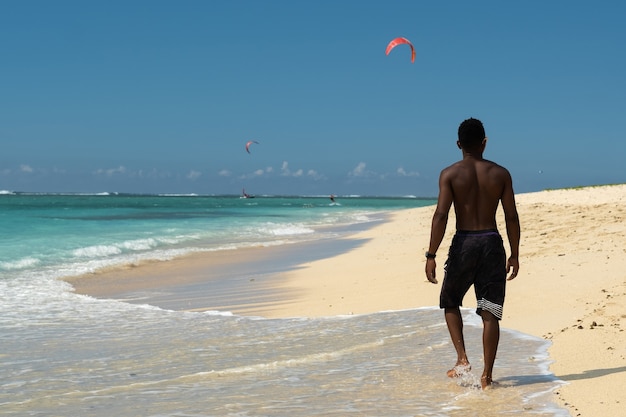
(450, 171)
(491, 165)
(453, 166)
(463, 164)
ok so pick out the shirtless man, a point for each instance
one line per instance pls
(475, 186)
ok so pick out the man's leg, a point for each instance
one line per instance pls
(491, 338)
(455, 327)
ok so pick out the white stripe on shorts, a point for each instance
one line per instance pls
(493, 308)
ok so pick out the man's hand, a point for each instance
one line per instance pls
(431, 266)
(512, 263)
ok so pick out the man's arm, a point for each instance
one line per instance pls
(439, 223)
(512, 226)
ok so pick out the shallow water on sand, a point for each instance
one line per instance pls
(140, 360)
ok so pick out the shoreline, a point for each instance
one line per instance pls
(571, 288)
(211, 280)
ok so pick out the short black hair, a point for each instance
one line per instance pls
(471, 133)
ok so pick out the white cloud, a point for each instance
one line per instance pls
(111, 171)
(194, 175)
(286, 172)
(224, 173)
(26, 168)
(151, 174)
(315, 175)
(359, 170)
(284, 169)
(258, 173)
(402, 173)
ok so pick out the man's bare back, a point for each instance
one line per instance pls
(475, 186)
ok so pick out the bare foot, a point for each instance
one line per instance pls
(459, 370)
(486, 382)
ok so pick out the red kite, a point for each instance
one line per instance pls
(400, 41)
(250, 142)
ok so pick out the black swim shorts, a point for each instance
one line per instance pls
(478, 258)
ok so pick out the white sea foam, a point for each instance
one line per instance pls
(139, 244)
(96, 251)
(291, 229)
(19, 264)
(101, 251)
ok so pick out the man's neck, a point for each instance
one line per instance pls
(477, 155)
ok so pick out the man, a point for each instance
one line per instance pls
(476, 187)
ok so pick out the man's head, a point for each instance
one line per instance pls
(471, 134)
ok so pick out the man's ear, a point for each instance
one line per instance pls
(484, 143)
(458, 143)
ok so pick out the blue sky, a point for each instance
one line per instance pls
(161, 96)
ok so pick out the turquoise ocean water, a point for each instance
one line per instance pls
(65, 354)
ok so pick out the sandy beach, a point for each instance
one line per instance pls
(571, 288)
